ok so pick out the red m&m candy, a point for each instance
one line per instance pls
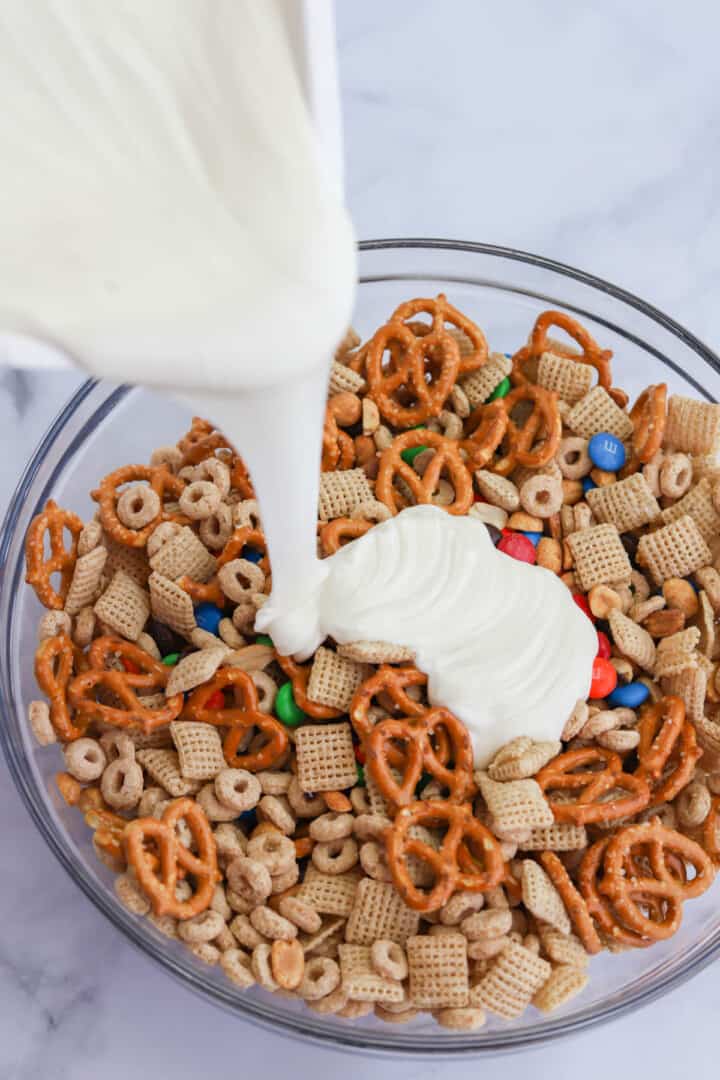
(604, 678)
(604, 649)
(583, 605)
(216, 700)
(517, 546)
(130, 666)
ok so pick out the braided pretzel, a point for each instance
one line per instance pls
(575, 904)
(337, 533)
(388, 682)
(56, 660)
(416, 737)
(488, 865)
(299, 676)
(52, 520)
(628, 891)
(241, 719)
(539, 343)
(485, 429)
(648, 416)
(561, 774)
(162, 482)
(401, 389)
(148, 675)
(159, 883)
(442, 312)
(534, 442)
(598, 906)
(342, 410)
(446, 457)
(668, 750)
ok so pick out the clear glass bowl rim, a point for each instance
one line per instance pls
(352, 1038)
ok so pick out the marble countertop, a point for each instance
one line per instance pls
(587, 132)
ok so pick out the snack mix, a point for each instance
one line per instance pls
(320, 830)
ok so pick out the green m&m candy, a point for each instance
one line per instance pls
(263, 639)
(286, 708)
(501, 390)
(171, 658)
(411, 453)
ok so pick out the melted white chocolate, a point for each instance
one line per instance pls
(502, 643)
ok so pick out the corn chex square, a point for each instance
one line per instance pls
(479, 385)
(570, 380)
(690, 685)
(692, 426)
(438, 970)
(329, 894)
(124, 606)
(599, 556)
(184, 554)
(598, 412)
(541, 898)
(199, 748)
(512, 982)
(632, 640)
(515, 804)
(163, 766)
(677, 652)
(343, 378)
(627, 504)
(699, 504)
(361, 982)
(171, 605)
(325, 757)
(379, 912)
(676, 550)
(341, 492)
(334, 679)
(86, 580)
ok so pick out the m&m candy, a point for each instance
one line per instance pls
(604, 679)
(630, 696)
(583, 605)
(517, 546)
(533, 537)
(587, 484)
(604, 648)
(208, 617)
(607, 452)
(286, 708)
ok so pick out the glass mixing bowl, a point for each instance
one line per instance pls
(104, 426)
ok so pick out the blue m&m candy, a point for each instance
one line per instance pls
(588, 484)
(534, 537)
(251, 554)
(208, 617)
(629, 696)
(606, 452)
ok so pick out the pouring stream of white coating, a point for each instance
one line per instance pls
(166, 220)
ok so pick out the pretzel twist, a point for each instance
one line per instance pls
(450, 763)
(572, 772)
(56, 660)
(152, 676)
(52, 520)
(158, 880)
(241, 719)
(446, 459)
(482, 868)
